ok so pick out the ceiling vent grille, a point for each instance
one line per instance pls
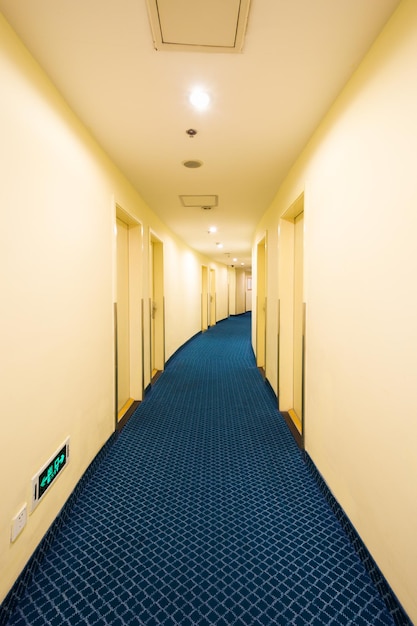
(199, 25)
(205, 202)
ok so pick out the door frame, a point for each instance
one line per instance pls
(204, 298)
(156, 307)
(261, 304)
(286, 282)
(135, 262)
(212, 298)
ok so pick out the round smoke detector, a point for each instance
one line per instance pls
(192, 164)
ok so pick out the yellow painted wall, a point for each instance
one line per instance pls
(58, 198)
(358, 174)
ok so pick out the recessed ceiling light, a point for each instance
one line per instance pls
(212, 229)
(219, 245)
(234, 260)
(199, 99)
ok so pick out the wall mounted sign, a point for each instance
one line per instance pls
(49, 472)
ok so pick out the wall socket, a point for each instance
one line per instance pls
(18, 523)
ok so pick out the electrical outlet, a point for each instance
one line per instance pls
(18, 523)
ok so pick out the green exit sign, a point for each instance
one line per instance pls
(49, 472)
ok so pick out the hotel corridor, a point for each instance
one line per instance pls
(202, 511)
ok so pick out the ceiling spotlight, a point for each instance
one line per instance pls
(219, 245)
(212, 229)
(199, 99)
(234, 260)
(191, 132)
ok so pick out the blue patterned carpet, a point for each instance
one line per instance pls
(203, 513)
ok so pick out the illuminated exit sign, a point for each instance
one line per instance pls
(49, 472)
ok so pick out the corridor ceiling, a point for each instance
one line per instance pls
(265, 100)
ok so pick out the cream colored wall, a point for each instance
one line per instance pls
(58, 200)
(56, 318)
(359, 177)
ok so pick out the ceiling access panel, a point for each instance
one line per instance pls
(198, 25)
(207, 201)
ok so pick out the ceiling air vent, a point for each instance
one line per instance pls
(192, 164)
(198, 25)
(205, 202)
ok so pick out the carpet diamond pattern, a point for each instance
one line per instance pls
(203, 513)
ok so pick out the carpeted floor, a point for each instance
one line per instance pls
(203, 513)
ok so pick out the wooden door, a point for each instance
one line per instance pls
(298, 315)
(122, 299)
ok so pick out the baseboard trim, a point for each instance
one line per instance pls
(127, 415)
(182, 346)
(287, 418)
(392, 603)
(293, 429)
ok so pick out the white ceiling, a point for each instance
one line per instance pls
(265, 101)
